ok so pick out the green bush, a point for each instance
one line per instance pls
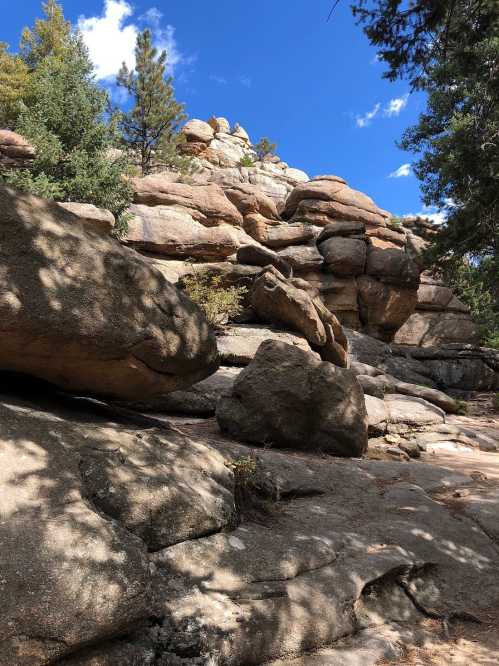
(217, 302)
(246, 161)
(395, 222)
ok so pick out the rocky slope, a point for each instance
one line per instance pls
(316, 500)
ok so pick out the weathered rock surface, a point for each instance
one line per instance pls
(287, 397)
(97, 219)
(345, 257)
(239, 343)
(82, 502)
(206, 204)
(198, 400)
(175, 233)
(302, 258)
(383, 307)
(79, 310)
(249, 199)
(329, 199)
(198, 130)
(15, 151)
(280, 301)
(257, 255)
(432, 329)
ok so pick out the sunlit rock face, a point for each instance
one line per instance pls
(83, 312)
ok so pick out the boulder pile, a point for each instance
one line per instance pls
(268, 510)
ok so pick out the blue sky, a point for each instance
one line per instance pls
(276, 67)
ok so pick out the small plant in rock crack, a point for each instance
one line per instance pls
(219, 303)
(461, 407)
(246, 161)
(395, 222)
(253, 494)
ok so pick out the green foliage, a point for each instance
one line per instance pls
(246, 161)
(253, 494)
(51, 36)
(461, 407)
(450, 50)
(63, 117)
(13, 84)
(395, 222)
(477, 285)
(152, 126)
(217, 302)
(264, 148)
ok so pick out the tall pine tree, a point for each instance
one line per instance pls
(151, 127)
(63, 116)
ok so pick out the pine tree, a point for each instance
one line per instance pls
(51, 36)
(151, 127)
(264, 148)
(13, 84)
(64, 118)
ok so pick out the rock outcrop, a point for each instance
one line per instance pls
(15, 151)
(288, 398)
(83, 312)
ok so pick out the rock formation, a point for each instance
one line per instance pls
(83, 312)
(15, 151)
(270, 507)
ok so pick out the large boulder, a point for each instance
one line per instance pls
(284, 302)
(238, 343)
(345, 257)
(97, 219)
(249, 199)
(198, 130)
(327, 199)
(392, 266)
(171, 232)
(257, 255)
(287, 398)
(206, 204)
(302, 258)
(83, 312)
(433, 329)
(384, 308)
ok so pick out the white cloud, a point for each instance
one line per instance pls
(218, 79)
(365, 120)
(431, 213)
(110, 41)
(402, 171)
(395, 106)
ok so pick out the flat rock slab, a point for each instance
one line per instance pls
(295, 583)
(83, 500)
(238, 343)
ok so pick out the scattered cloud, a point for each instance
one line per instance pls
(402, 171)
(434, 214)
(245, 81)
(375, 60)
(111, 39)
(395, 106)
(365, 120)
(218, 79)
